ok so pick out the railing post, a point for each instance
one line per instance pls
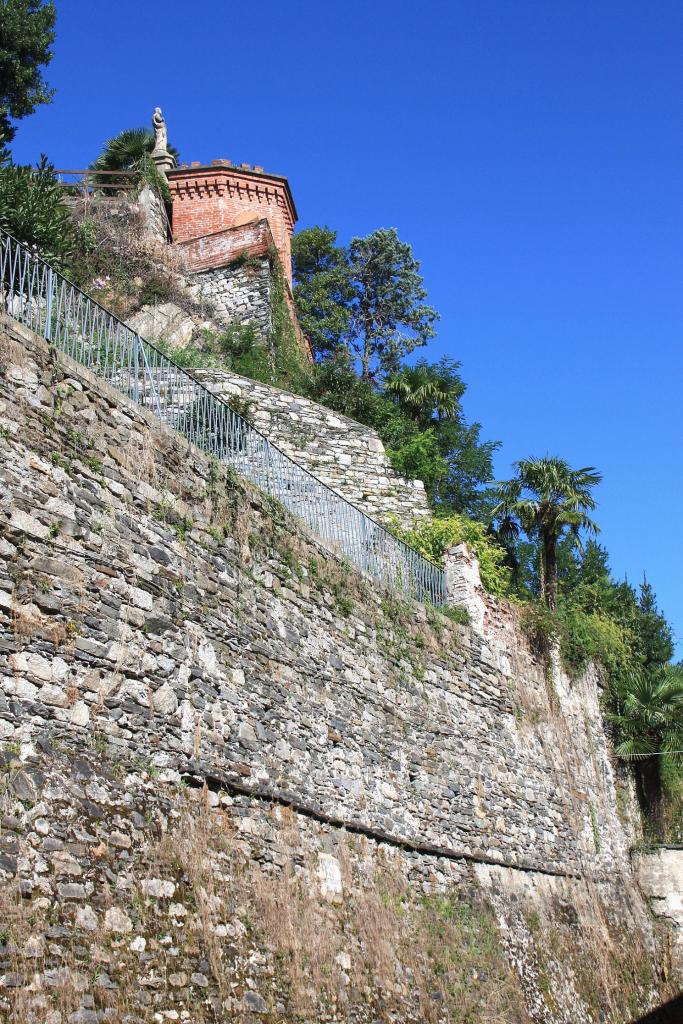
(48, 304)
(136, 368)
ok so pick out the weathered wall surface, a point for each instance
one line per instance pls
(660, 875)
(219, 249)
(146, 901)
(146, 211)
(239, 294)
(344, 454)
(154, 610)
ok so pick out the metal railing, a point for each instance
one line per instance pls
(36, 295)
(82, 182)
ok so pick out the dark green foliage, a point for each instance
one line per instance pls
(647, 715)
(655, 639)
(130, 151)
(427, 391)
(27, 31)
(548, 500)
(323, 291)
(367, 298)
(156, 288)
(389, 317)
(31, 209)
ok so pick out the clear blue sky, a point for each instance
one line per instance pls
(531, 152)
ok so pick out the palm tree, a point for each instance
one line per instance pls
(648, 722)
(128, 151)
(425, 390)
(547, 500)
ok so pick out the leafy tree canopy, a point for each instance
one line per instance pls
(323, 290)
(27, 31)
(367, 298)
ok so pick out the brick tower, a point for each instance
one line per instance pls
(217, 210)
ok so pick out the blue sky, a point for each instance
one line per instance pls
(532, 154)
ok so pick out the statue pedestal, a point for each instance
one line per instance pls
(164, 161)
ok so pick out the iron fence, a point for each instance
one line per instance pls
(36, 295)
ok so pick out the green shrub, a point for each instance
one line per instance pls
(582, 637)
(31, 209)
(457, 613)
(543, 628)
(191, 357)
(433, 536)
(418, 458)
(157, 289)
(591, 636)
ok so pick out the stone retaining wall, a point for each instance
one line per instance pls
(344, 454)
(144, 604)
(660, 875)
(239, 293)
(156, 611)
(144, 900)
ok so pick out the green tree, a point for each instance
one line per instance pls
(427, 390)
(654, 636)
(389, 317)
(32, 210)
(547, 499)
(368, 298)
(323, 291)
(648, 720)
(27, 31)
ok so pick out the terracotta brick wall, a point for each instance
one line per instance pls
(210, 199)
(208, 252)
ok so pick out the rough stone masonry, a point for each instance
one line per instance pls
(155, 608)
(127, 611)
(346, 455)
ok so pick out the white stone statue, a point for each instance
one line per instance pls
(160, 133)
(160, 154)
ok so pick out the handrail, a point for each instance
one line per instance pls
(35, 294)
(90, 172)
(100, 180)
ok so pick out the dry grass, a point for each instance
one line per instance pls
(381, 948)
(391, 949)
(29, 622)
(20, 932)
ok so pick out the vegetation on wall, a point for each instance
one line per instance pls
(433, 536)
